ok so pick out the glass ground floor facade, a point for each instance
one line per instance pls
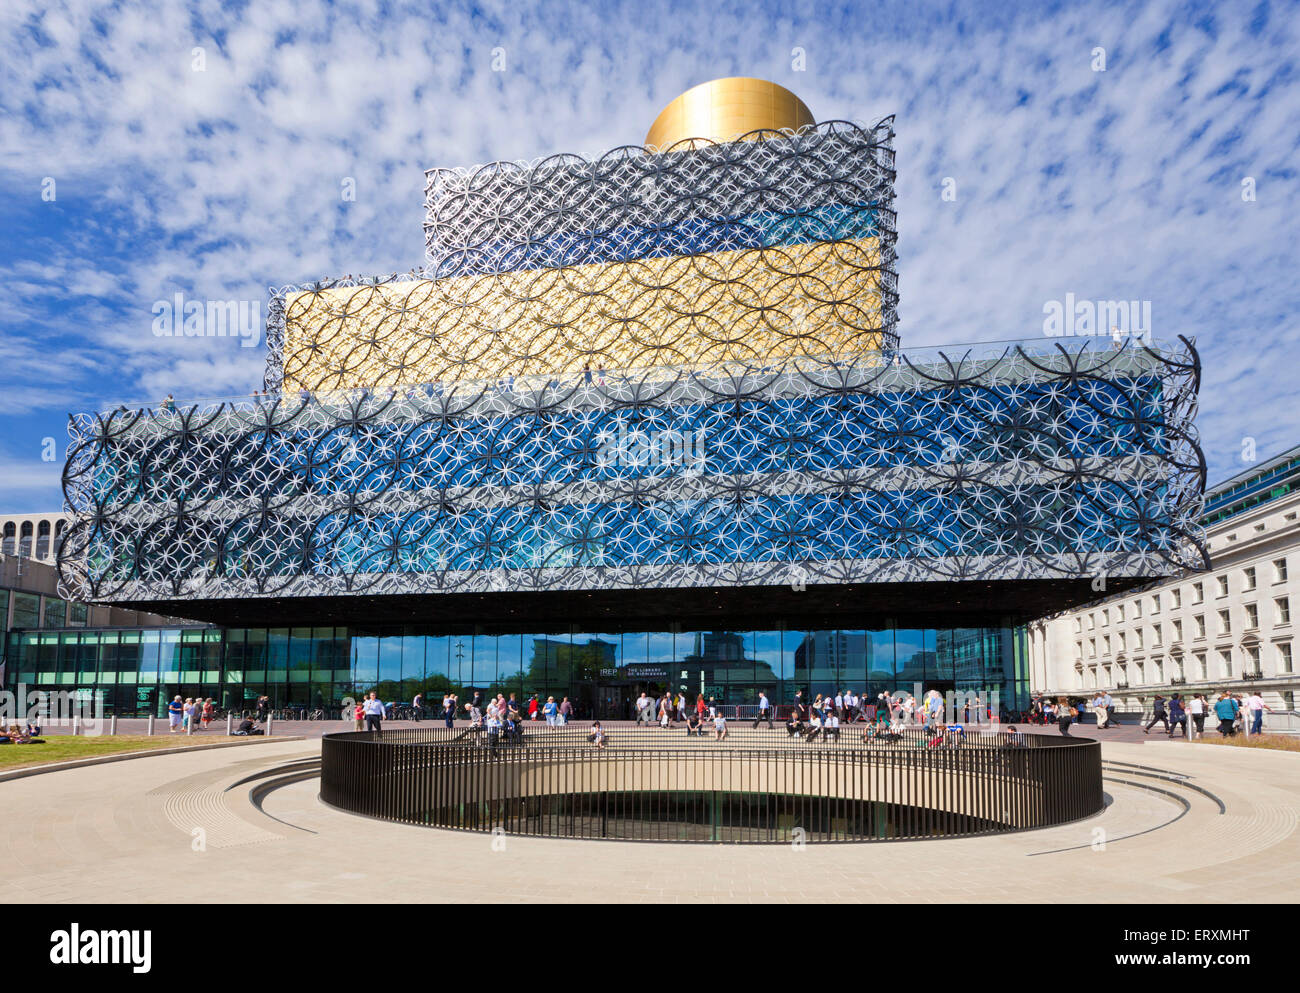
(138, 670)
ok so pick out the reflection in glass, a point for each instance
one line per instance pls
(910, 660)
(768, 657)
(880, 664)
(601, 672)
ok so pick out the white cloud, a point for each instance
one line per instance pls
(219, 183)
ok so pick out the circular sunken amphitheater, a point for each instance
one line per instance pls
(756, 786)
(1189, 822)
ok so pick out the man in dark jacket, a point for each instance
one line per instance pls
(1158, 716)
(800, 705)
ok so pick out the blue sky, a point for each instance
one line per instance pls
(220, 183)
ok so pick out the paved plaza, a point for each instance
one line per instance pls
(246, 824)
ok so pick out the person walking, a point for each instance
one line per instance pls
(566, 711)
(1196, 710)
(1255, 707)
(1158, 715)
(1108, 705)
(764, 710)
(934, 709)
(374, 711)
(1226, 711)
(1177, 716)
(800, 705)
(1065, 715)
(175, 715)
(551, 711)
(884, 707)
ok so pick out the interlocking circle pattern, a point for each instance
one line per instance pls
(749, 251)
(1063, 459)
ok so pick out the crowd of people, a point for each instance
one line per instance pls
(190, 714)
(826, 712)
(1236, 713)
(1177, 714)
(846, 706)
(821, 718)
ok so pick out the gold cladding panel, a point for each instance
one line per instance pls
(752, 305)
(723, 109)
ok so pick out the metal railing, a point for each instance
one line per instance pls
(755, 786)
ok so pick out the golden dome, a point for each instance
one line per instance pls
(724, 109)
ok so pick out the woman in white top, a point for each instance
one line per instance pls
(1196, 707)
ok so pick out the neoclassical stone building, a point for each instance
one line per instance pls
(1228, 628)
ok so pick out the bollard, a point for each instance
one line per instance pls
(76, 724)
(112, 725)
(269, 720)
(150, 731)
(230, 724)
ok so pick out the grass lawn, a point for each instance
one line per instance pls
(63, 747)
(1277, 742)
